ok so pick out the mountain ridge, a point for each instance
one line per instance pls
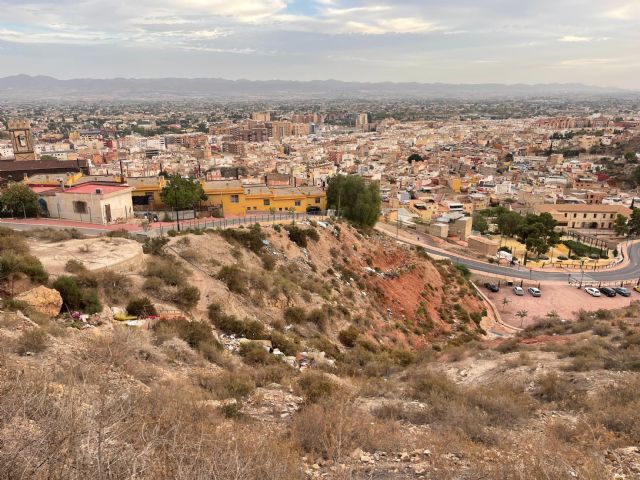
(46, 87)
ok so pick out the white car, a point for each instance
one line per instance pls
(518, 291)
(594, 292)
(535, 292)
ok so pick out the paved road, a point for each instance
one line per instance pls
(628, 272)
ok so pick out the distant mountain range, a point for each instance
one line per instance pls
(24, 87)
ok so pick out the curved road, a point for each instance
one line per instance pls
(629, 272)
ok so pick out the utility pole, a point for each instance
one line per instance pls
(175, 202)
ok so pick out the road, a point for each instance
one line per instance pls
(631, 271)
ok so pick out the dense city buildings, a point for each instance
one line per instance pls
(432, 169)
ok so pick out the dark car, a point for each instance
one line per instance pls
(622, 291)
(609, 292)
(492, 287)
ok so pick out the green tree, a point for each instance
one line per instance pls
(634, 222)
(508, 223)
(354, 200)
(538, 233)
(20, 200)
(620, 225)
(480, 223)
(183, 193)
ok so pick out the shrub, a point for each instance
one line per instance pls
(75, 297)
(170, 272)
(254, 353)
(284, 344)
(348, 336)
(300, 236)
(294, 315)
(120, 233)
(318, 317)
(33, 340)
(464, 270)
(187, 297)
(155, 245)
(268, 262)
(13, 305)
(234, 278)
(252, 238)
(198, 335)
(116, 286)
(74, 266)
(315, 386)
(141, 307)
(12, 264)
(228, 384)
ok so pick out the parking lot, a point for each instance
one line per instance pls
(561, 298)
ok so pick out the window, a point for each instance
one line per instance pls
(266, 202)
(235, 199)
(317, 199)
(79, 207)
(566, 215)
(248, 208)
(575, 215)
(297, 202)
(611, 216)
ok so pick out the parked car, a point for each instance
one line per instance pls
(622, 291)
(535, 292)
(492, 287)
(609, 292)
(518, 291)
(594, 292)
(637, 289)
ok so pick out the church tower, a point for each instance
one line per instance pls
(21, 139)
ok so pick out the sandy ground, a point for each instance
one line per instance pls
(563, 299)
(95, 253)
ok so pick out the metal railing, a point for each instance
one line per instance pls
(222, 223)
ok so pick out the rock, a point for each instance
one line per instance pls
(405, 457)
(46, 301)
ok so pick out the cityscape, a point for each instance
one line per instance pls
(351, 261)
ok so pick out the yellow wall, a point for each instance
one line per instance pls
(245, 202)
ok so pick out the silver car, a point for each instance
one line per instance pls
(535, 292)
(518, 291)
(594, 292)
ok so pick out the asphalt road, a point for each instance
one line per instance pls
(629, 272)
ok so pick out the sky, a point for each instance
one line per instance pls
(595, 42)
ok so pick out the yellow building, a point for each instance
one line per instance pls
(147, 190)
(232, 198)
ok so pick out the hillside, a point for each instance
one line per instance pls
(378, 367)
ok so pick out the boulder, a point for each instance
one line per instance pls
(46, 301)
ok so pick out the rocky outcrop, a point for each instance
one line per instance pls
(43, 300)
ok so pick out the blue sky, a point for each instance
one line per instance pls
(458, 41)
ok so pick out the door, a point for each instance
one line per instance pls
(107, 212)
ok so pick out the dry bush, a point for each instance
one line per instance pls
(33, 340)
(335, 427)
(315, 386)
(122, 347)
(616, 408)
(116, 431)
(178, 350)
(238, 384)
(166, 269)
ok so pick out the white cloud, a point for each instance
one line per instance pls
(574, 39)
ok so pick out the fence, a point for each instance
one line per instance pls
(222, 223)
(580, 282)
